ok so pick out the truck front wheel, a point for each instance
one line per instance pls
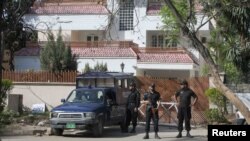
(98, 128)
(57, 132)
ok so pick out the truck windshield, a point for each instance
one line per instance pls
(86, 96)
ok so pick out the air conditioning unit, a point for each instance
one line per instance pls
(15, 103)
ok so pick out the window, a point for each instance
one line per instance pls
(92, 38)
(126, 14)
(160, 41)
(92, 41)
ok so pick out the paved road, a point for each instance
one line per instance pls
(113, 134)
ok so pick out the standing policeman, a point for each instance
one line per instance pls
(183, 99)
(132, 105)
(152, 99)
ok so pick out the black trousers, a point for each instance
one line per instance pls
(240, 121)
(151, 114)
(131, 115)
(184, 113)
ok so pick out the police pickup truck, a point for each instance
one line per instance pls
(98, 100)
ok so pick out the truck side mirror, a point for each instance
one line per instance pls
(63, 100)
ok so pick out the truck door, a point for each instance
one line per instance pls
(112, 107)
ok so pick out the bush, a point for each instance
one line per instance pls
(6, 86)
(6, 117)
(216, 97)
(214, 115)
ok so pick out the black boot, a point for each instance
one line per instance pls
(146, 136)
(188, 135)
(156, 136)
(133, 130)
(179, 135)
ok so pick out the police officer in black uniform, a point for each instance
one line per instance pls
(184, 101)
(152, 101)
(132, 105)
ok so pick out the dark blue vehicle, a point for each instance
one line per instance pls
(98, 100)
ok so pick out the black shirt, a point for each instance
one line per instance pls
(133, 99)
(185, 95)
(152, 98)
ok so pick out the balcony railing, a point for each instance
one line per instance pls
(88, 44)
(159, 49)
(74, 1)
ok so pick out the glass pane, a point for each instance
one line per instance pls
(96, 38)
(105, 82)
(89, 38)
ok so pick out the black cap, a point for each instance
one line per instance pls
(184, 82)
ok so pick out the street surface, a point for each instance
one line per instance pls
(167, 133)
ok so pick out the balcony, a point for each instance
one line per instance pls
(88, 44)
(62, 2)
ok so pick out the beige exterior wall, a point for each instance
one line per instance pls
(66, 34)
(48, 93)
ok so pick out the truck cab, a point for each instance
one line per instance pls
(98, 100)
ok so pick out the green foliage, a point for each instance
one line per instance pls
(56, 56)
(233, 28)
(226, 55)
(171, 26)
(6, 117)
(233, 75)
(205, 70)
(5, 87)
(214, 115)
(87, 68)
(99, 67)
(12, 24)
(215, 96)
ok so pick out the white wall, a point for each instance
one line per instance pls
(67, 22)
(113, 64)
(49, 93)
(144, 23)
(23, 63)
(164, 66)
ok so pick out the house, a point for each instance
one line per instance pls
(116, 32)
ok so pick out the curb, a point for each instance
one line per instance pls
(16, 133)
(24, 132)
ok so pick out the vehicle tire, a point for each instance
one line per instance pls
(97, 129)
(57, 132)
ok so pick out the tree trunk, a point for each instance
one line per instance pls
(1, 46)
(229, 94)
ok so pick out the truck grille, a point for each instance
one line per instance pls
(70, 116)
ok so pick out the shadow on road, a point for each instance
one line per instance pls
(114, 131)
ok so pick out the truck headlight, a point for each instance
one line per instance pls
(53, 115)
(89, 115)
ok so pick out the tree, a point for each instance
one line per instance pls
(184, 24)
(6, 86)
(217, 98)
(99, 67)
(11, 27)
(56, 56)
